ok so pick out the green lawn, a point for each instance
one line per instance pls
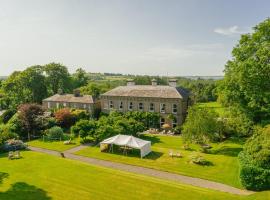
(224, 168)
(44, 177)
(217, 107)
(54, 145)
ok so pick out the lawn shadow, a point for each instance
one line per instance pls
(152, 138)
(135, 153)
(153, 155)
(24, 191)
(3, 175)
(227, 151)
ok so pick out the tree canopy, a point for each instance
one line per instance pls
(246, 83)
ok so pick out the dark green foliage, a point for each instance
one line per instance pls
(6, 116)
(149, 119)
(237, 123)
(84, 128)
(253, 177)
(201, 125)
(79, 78)
(55, 132)
(203, 90)
(255, 161)
(26, 86)
(58, 78)
(6, 134)
(246, 83)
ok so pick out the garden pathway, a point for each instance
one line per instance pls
(147, 171)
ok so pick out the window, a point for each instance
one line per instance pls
(120, 105)
(174, 108)
(84, 106)
(174, 122)
(162, 122)
(151, 107)
(111, 104)
(57, 105)
(130, 106)
(49, 104)
(162, 107)
(140, 106)
(64, 104)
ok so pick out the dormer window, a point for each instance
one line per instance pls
(162, 107)
(174, 108)
(140, 106)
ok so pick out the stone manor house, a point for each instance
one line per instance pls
(164, 99)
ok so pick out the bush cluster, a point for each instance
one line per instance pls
(255, 161)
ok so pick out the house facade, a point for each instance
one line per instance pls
(165, 100)
(76, 101)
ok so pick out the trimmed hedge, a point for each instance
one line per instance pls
(253, 177)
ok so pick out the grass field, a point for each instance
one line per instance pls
(224, 166)
(54, 145)
(217, 107)
(44, 177)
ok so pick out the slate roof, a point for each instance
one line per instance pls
(159, 91)
(70, 98)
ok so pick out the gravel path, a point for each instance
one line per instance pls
(146, 171)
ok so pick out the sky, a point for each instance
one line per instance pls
(152, 37)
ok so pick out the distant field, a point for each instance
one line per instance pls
(217, 107)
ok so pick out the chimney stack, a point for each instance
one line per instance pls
(76, 93)
(172, 82)
(130, 82)
(154, 82)
(60, 91)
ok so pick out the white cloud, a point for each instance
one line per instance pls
(230, 31)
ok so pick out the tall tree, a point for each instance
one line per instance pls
(29, 116)
(201, 125)
(80, 78)
(246, 83)
(26, 86)
(58, 77)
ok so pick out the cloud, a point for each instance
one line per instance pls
(230, 31)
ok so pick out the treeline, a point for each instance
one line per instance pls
(38, 82)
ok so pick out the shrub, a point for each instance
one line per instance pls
(252, 176)
(13, 145)
(201, 125)
(84, 128)
(64, 118)
(80, 114)
(55, 132)
(255, 161)
(6, 134)
(7, 115)
(198, 159)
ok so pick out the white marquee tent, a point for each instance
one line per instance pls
(129, 141)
